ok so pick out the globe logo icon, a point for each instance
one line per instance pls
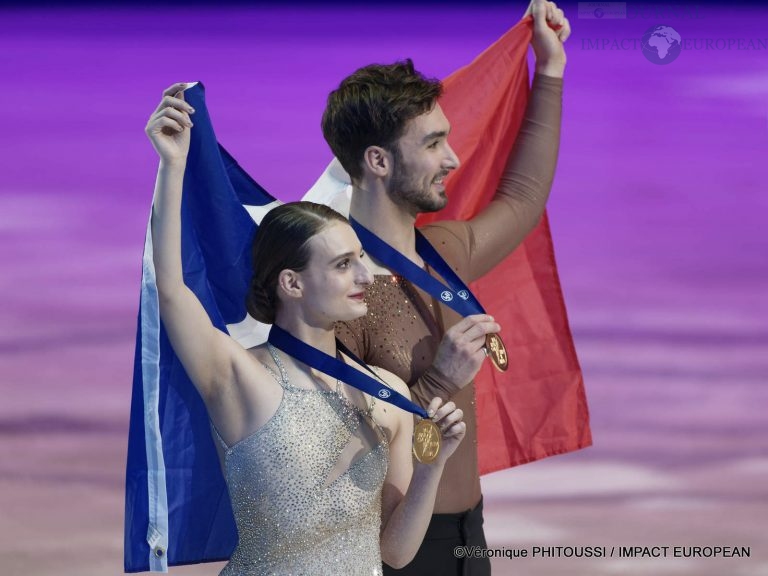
(661, 44)
(599, 13)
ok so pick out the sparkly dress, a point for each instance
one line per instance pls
(295, 514)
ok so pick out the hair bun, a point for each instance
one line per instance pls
(260, 304)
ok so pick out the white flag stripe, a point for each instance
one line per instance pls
(257, 213)
(157, 531)
(333, 188)
(249, 332)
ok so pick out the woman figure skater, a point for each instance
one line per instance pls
(320, 475)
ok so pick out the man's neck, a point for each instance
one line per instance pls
(389, 221)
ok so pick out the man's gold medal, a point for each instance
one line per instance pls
(494, 347)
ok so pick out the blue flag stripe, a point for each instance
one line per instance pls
(177, 505)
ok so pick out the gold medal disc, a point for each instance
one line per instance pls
(426, 441)
(496, 350)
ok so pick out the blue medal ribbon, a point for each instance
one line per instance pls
(334, 367)
(456, 294)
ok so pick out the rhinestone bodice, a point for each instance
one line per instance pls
(292, 515)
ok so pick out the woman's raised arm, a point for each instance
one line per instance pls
(206, 353)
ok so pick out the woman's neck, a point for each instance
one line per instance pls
(321, 337)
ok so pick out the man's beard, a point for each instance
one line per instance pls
(404, 191)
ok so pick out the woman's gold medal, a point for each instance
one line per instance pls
(426, 441)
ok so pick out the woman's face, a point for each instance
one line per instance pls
(335, 279)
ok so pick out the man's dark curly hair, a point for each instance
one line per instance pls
(371, 108)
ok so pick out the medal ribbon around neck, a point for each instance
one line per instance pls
(456, 295)
(336, 368)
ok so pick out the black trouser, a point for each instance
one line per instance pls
(445, 533)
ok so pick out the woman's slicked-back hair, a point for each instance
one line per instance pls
(371, 108)
(281, 243)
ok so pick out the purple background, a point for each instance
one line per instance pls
(656, 213)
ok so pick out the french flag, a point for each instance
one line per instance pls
(177, 505)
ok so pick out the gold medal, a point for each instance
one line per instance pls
(426, 441)
(494, 347)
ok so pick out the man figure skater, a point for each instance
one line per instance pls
(384, 125)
